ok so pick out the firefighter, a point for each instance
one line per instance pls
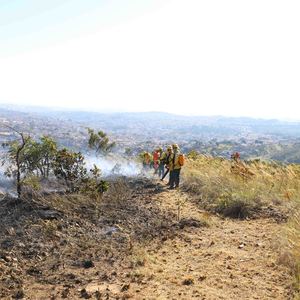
(176, 162)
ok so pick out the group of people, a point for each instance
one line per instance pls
(169, 161)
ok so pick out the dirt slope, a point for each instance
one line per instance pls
(230, 259)
(151, 243)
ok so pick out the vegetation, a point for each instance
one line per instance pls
(29, 161)
(100, 142)
(18, 161)
(293, 248)
(240, 188)
(244, 189)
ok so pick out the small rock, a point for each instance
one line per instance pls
(88, 264)
(84, 294)
(97, 295)
(11, 231)
(188, 281)
(71, 276)
(65, 293)
(33, 271)
(7, 258)
(49, 214)
(241, 246)
(19, 294)
(125, 287)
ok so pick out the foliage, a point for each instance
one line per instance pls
(32, 181)
(34, 158)
(70, 167)
(193, 155)
(17, 160)
(48, 151)
(93, 185)
(100, 142)
(28, 160)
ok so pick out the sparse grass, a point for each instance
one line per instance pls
(139, 257)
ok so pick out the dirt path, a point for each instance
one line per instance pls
(150, 244)
(230, 259)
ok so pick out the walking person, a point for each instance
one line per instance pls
(146, 161)
(166, 156)
(176, 163)
(162, 162)
(156, 158)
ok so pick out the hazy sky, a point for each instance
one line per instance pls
(236, 58)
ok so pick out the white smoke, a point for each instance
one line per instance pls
(114, 165)
(6, 184)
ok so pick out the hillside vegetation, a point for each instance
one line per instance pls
(118, 237)
(250, 189)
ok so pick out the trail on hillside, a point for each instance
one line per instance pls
(229, 259)
(146, 242)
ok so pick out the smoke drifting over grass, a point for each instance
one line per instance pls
(6, 184)
(115, 165)
(111, 165)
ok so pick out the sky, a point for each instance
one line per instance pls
(192, 57)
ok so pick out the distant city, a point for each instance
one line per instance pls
(215, 135)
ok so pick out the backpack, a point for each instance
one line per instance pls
(181, 159)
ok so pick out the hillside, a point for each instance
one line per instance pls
(142, 241)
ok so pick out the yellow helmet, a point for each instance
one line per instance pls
(175, 146)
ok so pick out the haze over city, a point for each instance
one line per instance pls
(231, 58)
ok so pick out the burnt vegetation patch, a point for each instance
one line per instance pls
(66, 239)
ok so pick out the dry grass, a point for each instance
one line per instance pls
(241, 189)
(293, 248)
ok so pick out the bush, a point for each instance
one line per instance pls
(236, 207)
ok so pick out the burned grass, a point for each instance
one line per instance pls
(53, 246)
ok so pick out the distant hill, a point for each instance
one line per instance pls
(214, 135)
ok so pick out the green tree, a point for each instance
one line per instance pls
(100, 142)
(16, 156)
(48, 149)
(70, 166)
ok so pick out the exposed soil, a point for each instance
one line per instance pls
(141, 242)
